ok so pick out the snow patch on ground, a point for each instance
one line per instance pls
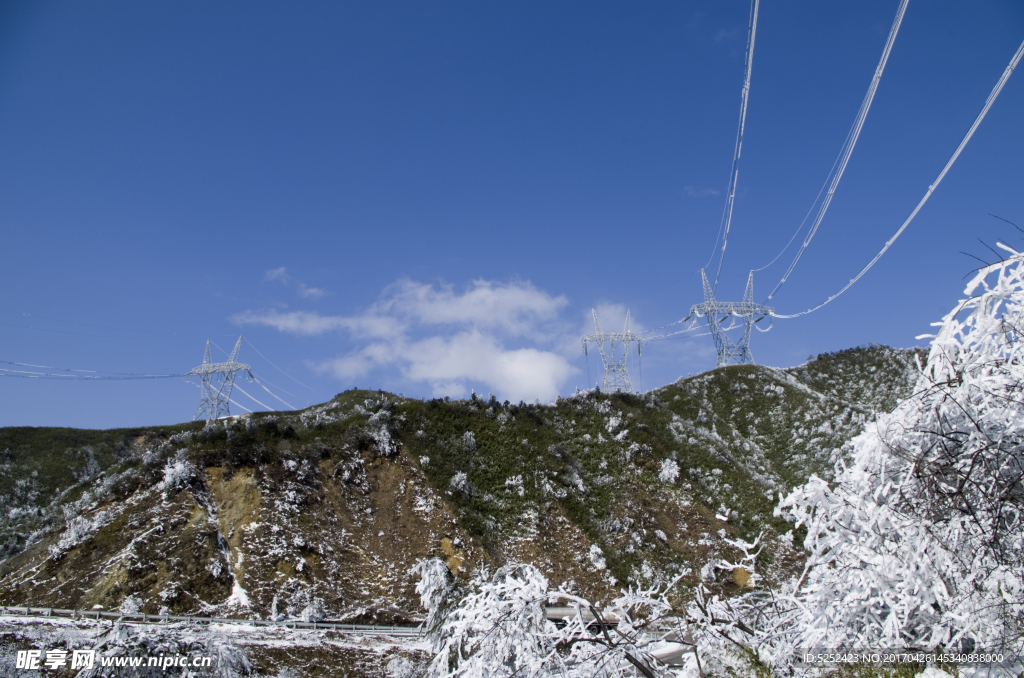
(239, 597)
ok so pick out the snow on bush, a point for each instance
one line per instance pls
(315, 610)
(459, 483)
(669, 471)
(377, 427)
(402, 667)
(614, 423)
(515, 485)
(497, 625)
(78, 530)
(499, 622)
(131, 605)
(918, 542)
(177, 473)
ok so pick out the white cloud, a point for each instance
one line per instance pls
(519, 374)
(311, 323)
(515, 308)
(307, 292)
(450, 340)
(692, 192)
(447, 364)
(726, 35)
(279, 274)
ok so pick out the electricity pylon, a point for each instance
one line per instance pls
(616, 377)
(742, 313)
(215, 383)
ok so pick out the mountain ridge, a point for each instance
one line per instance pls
(322, 512)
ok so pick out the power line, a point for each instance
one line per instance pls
(734, 173)
(68, 373)
(79, 334)
(267, 390)
(809, 211)
(241, 406)
(272, 384)
(655, 329)
(69, 377)
(275, 367)
(848, 146)
(214, 397)
(279, 369)
(935, 184)
(267, 407)
(675, 334)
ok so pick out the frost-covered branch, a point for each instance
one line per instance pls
(918, 543)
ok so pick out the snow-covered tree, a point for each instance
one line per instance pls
(669, 471)
(496, 625)
(919, 542)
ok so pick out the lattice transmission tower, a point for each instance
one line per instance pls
(739, 314)
(215, 383)
(616, 376)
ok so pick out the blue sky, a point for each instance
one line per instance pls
(429, 198)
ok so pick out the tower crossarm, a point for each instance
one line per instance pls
(211, 368)
(622, 337)
(727, 308)
(614, 336)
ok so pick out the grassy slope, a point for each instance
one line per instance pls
(338, 501)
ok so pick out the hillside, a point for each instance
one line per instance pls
(321, 513)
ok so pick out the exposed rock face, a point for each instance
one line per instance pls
(309, 529)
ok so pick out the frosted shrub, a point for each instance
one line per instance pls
(459, 483)
(515, 485)
(131, 605)
(314, 611)
(304, 605)
(78, 530)
(434, 588)
(117, 483)
(177, 472)
(400, 667)
(919, 540)
(380, 432)
(916, 544)
(499, 625)
(669, 471)
(496, 625)
(180, 438)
